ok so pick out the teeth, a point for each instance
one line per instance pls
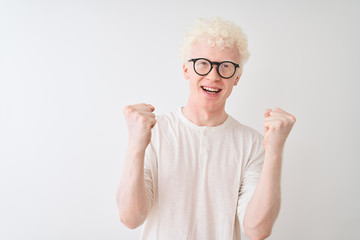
(211, 89)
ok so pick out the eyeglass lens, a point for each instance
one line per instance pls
(225, 69)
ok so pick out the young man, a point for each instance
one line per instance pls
(197, 173)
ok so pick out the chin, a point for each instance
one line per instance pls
(211, 105)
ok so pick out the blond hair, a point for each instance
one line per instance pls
(217, 33)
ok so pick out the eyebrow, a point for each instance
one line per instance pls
(213, 62)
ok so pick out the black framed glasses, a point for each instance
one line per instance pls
(203, 66)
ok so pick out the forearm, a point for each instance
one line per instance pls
(131, 194)
(264, 205)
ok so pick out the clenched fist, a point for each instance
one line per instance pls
(277, 126)
(140, 120)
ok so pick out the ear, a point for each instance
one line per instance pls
(237, 79)
(186, 71)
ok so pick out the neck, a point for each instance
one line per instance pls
(204, 116)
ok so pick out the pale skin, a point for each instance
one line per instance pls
(131, 196)
(206, 110)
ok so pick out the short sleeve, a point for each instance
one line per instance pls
(149, 175)
(250, 178)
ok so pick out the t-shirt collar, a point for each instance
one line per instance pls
(223, 125)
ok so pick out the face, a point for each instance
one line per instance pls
(211, 91)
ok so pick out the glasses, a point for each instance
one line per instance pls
(203, 66)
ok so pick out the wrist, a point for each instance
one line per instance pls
(137, 143)
(136, 149)
(274, 152)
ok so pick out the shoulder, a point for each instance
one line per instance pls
(244, 130)
(166, 125)
(251, 140)
(167, 120)
(167, 117)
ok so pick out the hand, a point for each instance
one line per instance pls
(277, 126)
(140, 120)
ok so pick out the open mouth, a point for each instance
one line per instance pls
(211, 90)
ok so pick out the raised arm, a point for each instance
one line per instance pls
(131, 195)
(264, 206)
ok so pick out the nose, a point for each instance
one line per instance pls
(213, 75)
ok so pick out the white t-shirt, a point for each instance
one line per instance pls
(199, 179)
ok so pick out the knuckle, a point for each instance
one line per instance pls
(291, 119)
(287, 123)
(142, 118)
(128, 109)
(136, 116)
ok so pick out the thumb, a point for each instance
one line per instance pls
(267, 112)
(151, 106)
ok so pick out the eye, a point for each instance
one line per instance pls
(225, 65)
(202, 62)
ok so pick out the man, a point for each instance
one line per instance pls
(197, 173)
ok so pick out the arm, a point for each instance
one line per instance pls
(131, 195)
(264, 205)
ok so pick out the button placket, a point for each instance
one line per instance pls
(204, 138)
(203, 144)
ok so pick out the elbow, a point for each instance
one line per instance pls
(257, 235)
(257, 232)
(132, 218)
(130, 214)
(131, 224)
(260, 227)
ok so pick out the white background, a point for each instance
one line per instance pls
(67, 68)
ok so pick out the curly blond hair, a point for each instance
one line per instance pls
(218, 33)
